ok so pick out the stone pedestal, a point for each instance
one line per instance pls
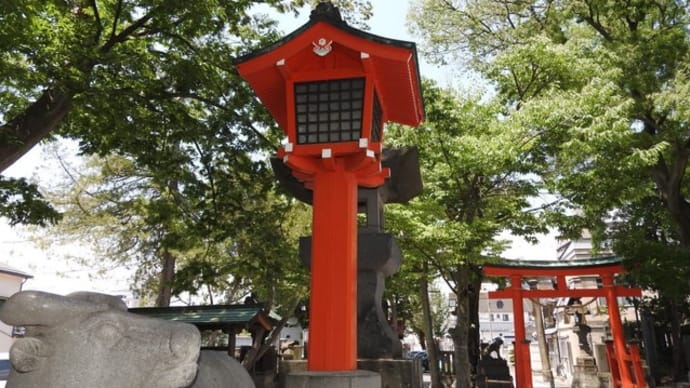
(586, 374)
(493, 373)
(378, 256)
(393, 373)
(354, 379)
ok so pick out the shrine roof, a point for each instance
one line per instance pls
(333, 18)
(4, 268)
(394, 64)
(207, 317)
(559, 264)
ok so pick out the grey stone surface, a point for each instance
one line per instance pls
(394, 373)
(89, 340)
(378, 256)
(218, 370)
(347, 379)
(586, 374)
(493, 373)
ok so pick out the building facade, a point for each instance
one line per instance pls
(11, 282)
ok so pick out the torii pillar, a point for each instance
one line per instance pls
(603, 267)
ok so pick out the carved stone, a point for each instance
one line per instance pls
(88, 339)
(218, 370)
(586, 374)
(378, 256)
(493, 373)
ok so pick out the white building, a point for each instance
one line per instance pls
(495, 316)
(11, 282)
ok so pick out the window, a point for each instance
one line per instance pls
(506, 318)
(329, 111)
(4, 369)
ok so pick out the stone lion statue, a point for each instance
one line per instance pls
(88, 339)
(492, 348)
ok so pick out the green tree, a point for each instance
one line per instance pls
(22, 203)
(153, 83)
(604, 85)
(183, 238)
(118, 74)
(476, 172)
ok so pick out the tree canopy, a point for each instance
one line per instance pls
(149, 87)
(478, 179)
(129, 76)
(602, 85)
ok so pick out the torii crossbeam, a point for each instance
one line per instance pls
(519, 271)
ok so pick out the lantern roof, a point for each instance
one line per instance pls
(393, 64)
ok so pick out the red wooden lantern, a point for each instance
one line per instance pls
(332, 88)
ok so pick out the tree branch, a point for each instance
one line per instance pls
(99, 25)
(593, 21)
(28, 128)
(122, 36)
(116, 18)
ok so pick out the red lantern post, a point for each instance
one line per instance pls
(331, 88)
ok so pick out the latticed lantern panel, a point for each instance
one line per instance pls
(329, 111)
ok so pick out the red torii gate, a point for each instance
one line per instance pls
(619, 356)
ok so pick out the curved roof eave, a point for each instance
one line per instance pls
(6, 269)
(337, 23)
(327, 13)
(549, 264)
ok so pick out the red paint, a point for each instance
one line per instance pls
(393, 68)
(334, 170)
(333, 309)
(617, 330)
(617, 351)
(523, 377)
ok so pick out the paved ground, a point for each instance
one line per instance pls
(427, 380)
(536, 382)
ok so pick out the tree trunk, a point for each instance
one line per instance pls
(668, 178)
(678, 361)
(462, 332)
(432, 346)
(473, 349)
(25, 130)
(167, 274)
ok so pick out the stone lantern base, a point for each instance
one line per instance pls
(586, 374)
(353, 379)
(391, 373)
